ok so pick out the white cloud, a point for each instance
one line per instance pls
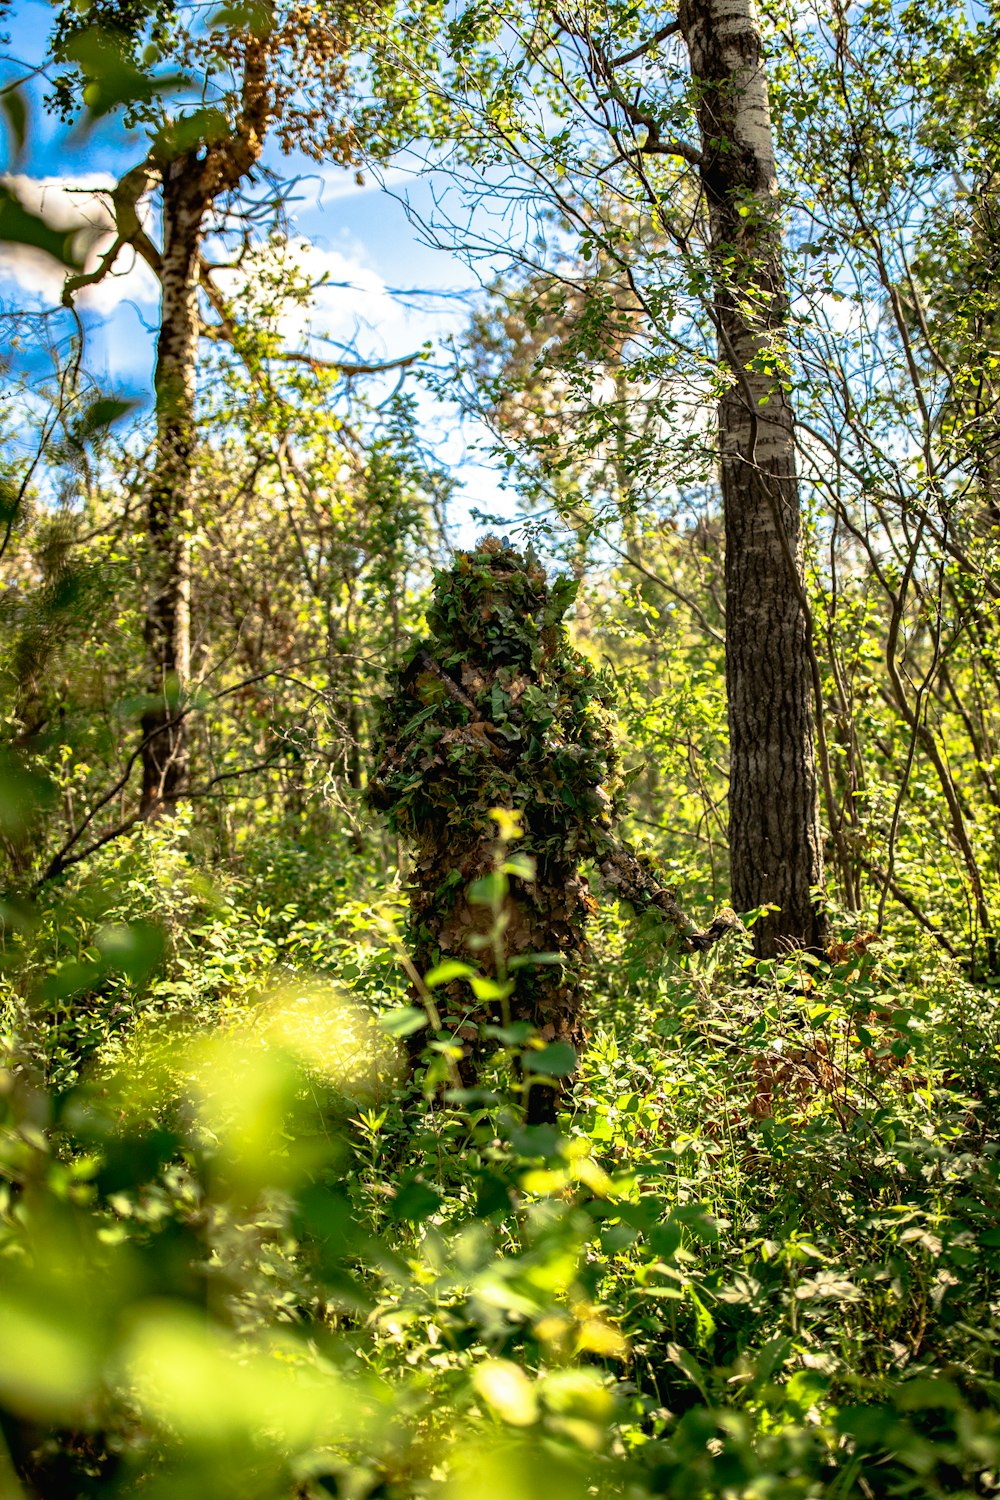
(355, 305)
(329, 184)
(351, 310)
(81, 204)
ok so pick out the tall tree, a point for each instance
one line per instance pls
(191, 181)
(277, 68)
(775, 849)
(624, 178)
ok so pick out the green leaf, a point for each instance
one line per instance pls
(479, 1099)
(402, 1022)
(522, 960)
(199, 127)
(561, 595)
(255, 16)
(15, 110)
(414, 1202)
(679, 1356)
(489, 989)
(489, 890)
(536, 1140)
(557, 1060)
(99, 416)
(492, 1195)
(633, 775)
(506, 1388)
(48, 1362)
(772, 1357)
(445, 972)
(698, 1221)
(521, 865)
(19, 226)
(111, 80)
(136, 949)
(75, 977)
(928, 1394)
(22, 792)
(511, 1036)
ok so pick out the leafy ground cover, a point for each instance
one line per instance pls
(758, 1254)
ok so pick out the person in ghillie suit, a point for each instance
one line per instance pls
(494, 709)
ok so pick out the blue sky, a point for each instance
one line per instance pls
(387, 292)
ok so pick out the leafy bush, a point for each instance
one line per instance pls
(758, 1256)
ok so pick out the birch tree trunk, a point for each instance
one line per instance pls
(191, 182)
(168, 611)
(774, 835)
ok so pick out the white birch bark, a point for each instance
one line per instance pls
(775, 847)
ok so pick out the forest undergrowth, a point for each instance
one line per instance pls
(756, 1256)
(399, 1159)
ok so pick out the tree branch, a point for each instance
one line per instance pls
(634, 880)
(125, 206)
(654, 144)
(908, 902)
(670, 29)
(227, 331)
(347, 368)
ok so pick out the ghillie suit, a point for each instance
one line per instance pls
(495, 709)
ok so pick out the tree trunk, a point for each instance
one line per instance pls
(168, 611)
(191, 182)
(775, 846)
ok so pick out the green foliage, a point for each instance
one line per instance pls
(756, 1254)
(753, 1260)
(524, 725)
(494, 717)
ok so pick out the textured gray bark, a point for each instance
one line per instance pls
(775, 846)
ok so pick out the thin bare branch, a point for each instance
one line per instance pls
(669, 30)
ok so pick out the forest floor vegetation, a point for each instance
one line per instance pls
(758, 1255)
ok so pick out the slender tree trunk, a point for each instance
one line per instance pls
(168, 611)
(775, 847)
(191, 182)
